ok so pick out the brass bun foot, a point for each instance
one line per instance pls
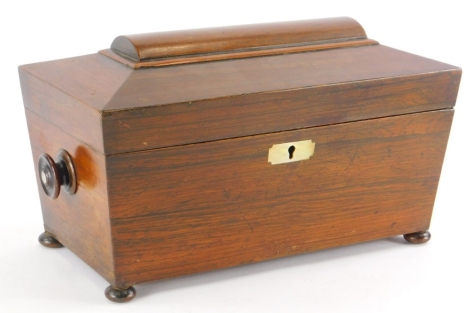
(48, 241)
(418, 237)
(120, 295)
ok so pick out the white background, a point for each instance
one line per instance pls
(382, 276)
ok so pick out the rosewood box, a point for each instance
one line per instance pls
(180, 152)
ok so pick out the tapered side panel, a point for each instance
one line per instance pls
(80, 221)
(193, 208)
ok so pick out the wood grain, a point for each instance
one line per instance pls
(115, 109)
(231, 117)
(270, 94)
(156, 87)
(142, 47)
(70, 93)
(172, 162)
(81, 221)
(181, 210)
(235, 54)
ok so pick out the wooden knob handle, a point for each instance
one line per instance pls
(55, 174)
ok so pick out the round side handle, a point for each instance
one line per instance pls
(55, 174)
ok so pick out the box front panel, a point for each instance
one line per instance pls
(200, 207)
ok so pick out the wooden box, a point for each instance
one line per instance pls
(190, 151)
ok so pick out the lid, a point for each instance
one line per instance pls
(175, 88)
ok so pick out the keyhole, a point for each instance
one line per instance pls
(291, 152)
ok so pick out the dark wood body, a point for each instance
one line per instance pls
(207, 206)
(172, 162)
(115, 109)
(80, 221)
(181, 210)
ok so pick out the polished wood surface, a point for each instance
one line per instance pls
(418, 237)
(181, 210)
(115, 109)
(172, 161)
(47, 240)
(141, 47)
(226, 80)
(57, 175)
(70, 93)
(235, 54)
(80, 221)
(120, 295)
(231, 117)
